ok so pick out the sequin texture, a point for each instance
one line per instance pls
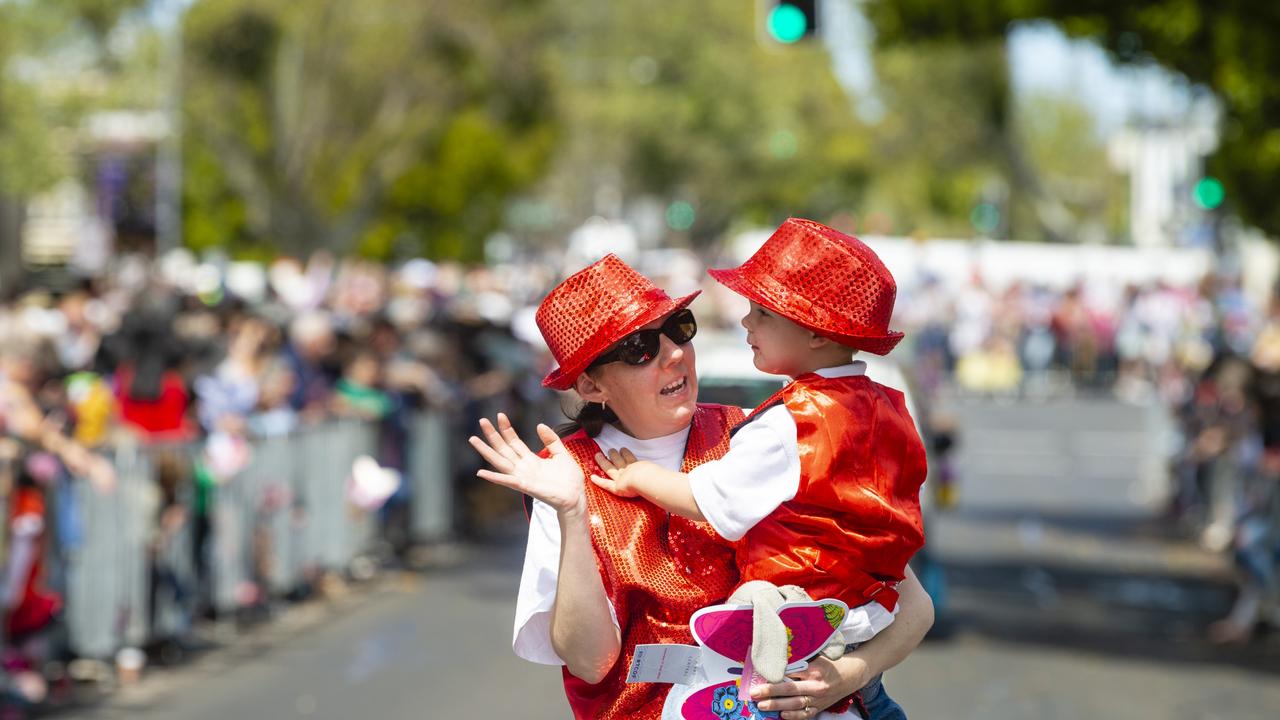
(657, 570)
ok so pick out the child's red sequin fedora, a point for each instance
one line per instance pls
(820, 278)
(593, 309)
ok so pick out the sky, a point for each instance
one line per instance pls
(1043, 59)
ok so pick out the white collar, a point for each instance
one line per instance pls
(662, 445)
(857, 367)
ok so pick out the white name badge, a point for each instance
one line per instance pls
(664, 663)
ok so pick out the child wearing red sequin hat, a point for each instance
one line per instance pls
(820, 486)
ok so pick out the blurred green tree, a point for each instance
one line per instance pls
(40, 103)
(1062, 143)
(687, 105)
(939, 146)
(955, 142)
(380, 127)
(1227, 45)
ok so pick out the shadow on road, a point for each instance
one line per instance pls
(1125, 525)
(1156, 616)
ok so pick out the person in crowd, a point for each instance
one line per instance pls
(229, 394)
(30, 607)
(78, 344)
(151, 393)
(1256, 540)
(310, 355)
(821, 484)
(274, 415)
(22, 417)
(167, 583)
(603, 574)
(358, 392)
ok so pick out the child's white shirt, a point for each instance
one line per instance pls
(760, 471)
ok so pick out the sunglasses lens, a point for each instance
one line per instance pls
(639, 347)
(681, 327)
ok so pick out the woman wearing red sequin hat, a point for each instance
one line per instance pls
(820, 487)
(603, 574)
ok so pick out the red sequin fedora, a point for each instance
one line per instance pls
(595, 308)
(820, 278)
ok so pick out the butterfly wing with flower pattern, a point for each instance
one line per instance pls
(721, 701)
(726, 631)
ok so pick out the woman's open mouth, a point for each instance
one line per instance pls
(675, 387)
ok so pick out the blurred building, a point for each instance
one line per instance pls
(80, 222)
(1164, 162)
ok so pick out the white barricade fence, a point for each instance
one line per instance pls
(107, 576)
(273, 526)
(430, 475)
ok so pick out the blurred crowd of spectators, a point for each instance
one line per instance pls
(177, 353)
(1138, 342)
(1207, 355)
(196, 371)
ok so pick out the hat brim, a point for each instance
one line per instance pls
(562, 378)
(734, 279)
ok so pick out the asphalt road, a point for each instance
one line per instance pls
(1067, 597)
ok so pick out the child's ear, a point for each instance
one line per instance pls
(588, 389)
(817, 342)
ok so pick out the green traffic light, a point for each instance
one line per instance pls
(787, 23)
(1208, 193)
(680, 215)
(985, 218)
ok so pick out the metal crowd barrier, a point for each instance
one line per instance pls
(106, 575)
(429, 475)
(273, 526)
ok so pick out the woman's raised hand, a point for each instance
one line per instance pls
(555, 480)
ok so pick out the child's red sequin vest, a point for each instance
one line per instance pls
(657, 570)
(855, 520)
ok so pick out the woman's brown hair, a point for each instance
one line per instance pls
(591, 417)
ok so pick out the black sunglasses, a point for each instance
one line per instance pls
(641, 346)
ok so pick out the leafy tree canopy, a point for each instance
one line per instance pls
(688, 104)
(1228, 45)
(381, 127)
(38, 109)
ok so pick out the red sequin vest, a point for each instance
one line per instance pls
(657, 570)
(855, 520)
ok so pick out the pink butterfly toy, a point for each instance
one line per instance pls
(725, 632)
